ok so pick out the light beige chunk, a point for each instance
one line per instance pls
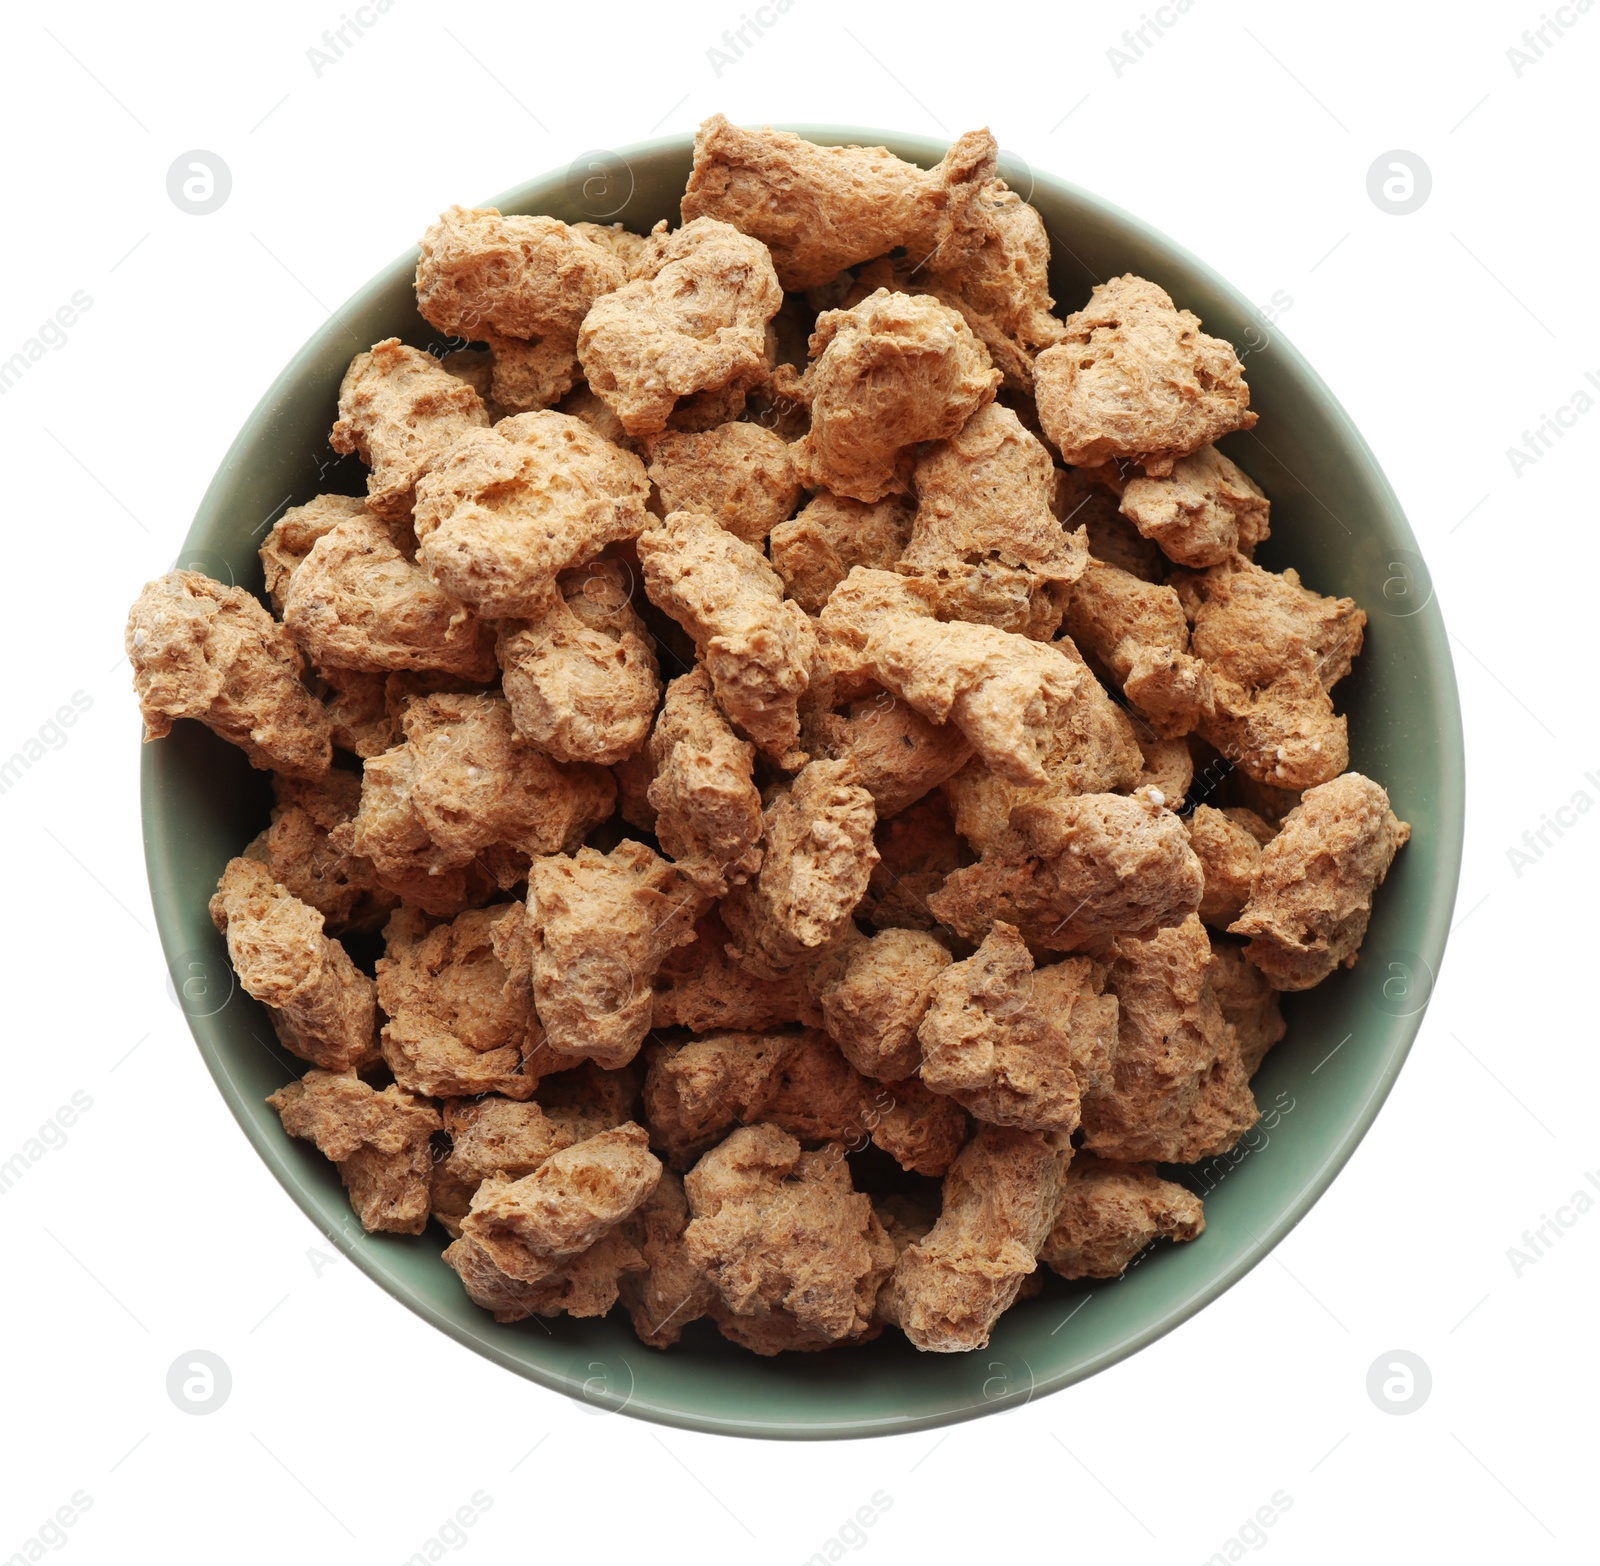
(758, 648)
(1168, 769)
(740, 475)
(1111, 1211)
(204, 651)
(1136, 377)
(506, 510)
(819, 855)
(501, 1137)
(1229, 853)
(1206, 510)
(1001, 1197)
(379, 1140)
(581, 676)
(323, 1007)
(587, 1284)
(692, 324)
(899, 755)
(815, 551)
(1311, 894)
(1274, 650)
(294, 534)
(874, 997)
(700, 987)
(401, 413)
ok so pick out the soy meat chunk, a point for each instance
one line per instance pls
(465, 785)
(691, 325)
(323, 1007)
(917, 849)
(1000, 1040)
(1137, 632)
(701, 988)
(759, 649)
(740, 475)
(1205, 511)
(496, 1136)
(460, 1022)
(475, 366)
(1229, 854)
(815, 550)
(818, 858)
(1178, 1090)
(379, 1140)
(1168, 769)
(895, 370)
(921, 1130)
(1003, 691)
(875, 996)
(401, 413)
(671, 1291)
(597, 927)
(795, 1253)
(694, 1092)
(587, 1284)
(985, 538)
(201, 650)
(626, 247)
(1274, 650)
(1111, 1212)
(707, 808)
(357, 602)
(1136, 377)
(581, 675)
(507, 509)
(294, 534)
(1248, 1001)
(1001, 1197)
(1311, 894)
(821, 209)
(343, 888)
(899, 754)
(1073, 871)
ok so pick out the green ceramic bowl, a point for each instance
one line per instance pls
(1334, 517)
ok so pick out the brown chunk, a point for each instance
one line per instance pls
(294, 534)
(201, 650)
(899, 755)
(1111, 1212)
(671, 1291)
(1311, 894)
(740, 475)
(401, 413)
(1206, 510)
(1136, 377)
(814, 552)
(323, 1007)
(1248, 1001)
(917, 849)
(921, 1130)
(496, 1136)
(1168, 769)
(585, 1285)
(1229, 854)
(380, 1141)
(701, 988)
(874, 994)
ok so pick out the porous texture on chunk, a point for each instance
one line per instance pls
(1136, 377)
(1003, 691)
(596, 928)
(356, 602)
(507, 509)
(703, 796)
(921, 1130)
(874, 994)
(1168, 769)
(1084, 500)
(1001, 1197)
(1248, 1001)
(323, 1007)
(529, 1227)
(294, 534)
(671, 1291)
(894, 370)
(740, 475)
(899, 755)
(819, 855)
(795, 1253)
(985, 538)
(1274, 650)
(1000, 1039)
(691, 325)
(917, 849)
(401, 413)
(759, 648)
(460, 1022)
(1072, 871)
(464, 786)
(1178, 1089)
(1228, 853)
(1311, 893)
(700, 987)
(581, 675)
(815, 550)
(204, 651)
(379, 1140)
(821, 209)
(1137, 633)
(1206, 510)
(584, 1285)
(1111, 1211)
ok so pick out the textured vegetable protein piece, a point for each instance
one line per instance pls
(899, 755)
(1206, 510)
(874, 995)
(814, 551)
(1248, 1001)
(1228, 852)
(293, 535)
(1109, 1213)
(740, 475)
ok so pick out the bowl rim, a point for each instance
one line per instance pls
(1432, 934)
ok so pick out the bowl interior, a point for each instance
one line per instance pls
(1334, 518)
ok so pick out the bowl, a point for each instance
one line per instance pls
(1334, 517)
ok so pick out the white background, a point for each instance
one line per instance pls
(354, 1430)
